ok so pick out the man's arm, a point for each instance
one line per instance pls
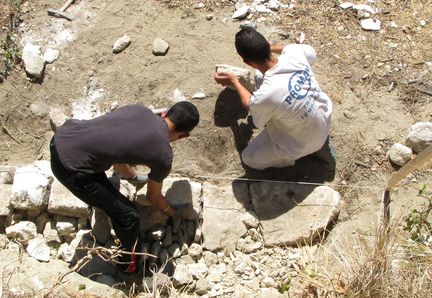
(226, 78)
(124, 169)
(154, 195)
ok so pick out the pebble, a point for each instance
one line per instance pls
(371, 24)
(121, 44)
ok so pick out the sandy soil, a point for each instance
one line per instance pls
(367, 113)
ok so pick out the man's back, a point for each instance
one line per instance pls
(131, 134)
(291, 105)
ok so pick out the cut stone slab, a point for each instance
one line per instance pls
(419, 136)
(23, 231)
(63, 202)
(293, 214)
(30, 188)
(223, 208)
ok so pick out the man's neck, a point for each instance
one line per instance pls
(263, 67)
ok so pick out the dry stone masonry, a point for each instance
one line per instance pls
(228, 242)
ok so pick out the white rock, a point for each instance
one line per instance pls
(363, 7)
(160, 47)
(121, 44)
(371, 24)
(241, 13)
(195, 250)
(57, 118)
(199, 5)
(33, 61)
(423, 23)
(250, 219)
(182, 276)
(216, 273)
(399, 154)
(65, 252)
(23, 231)
(114, 105)
(198, 270)
(262, 9)
(346, 5)
(51, 55)
(38, 249)
(177, 96)
(393, 25)
(65, 228)
(419, 136)
(63, 202)
(243, 74)
(199, 95)
(30, 188)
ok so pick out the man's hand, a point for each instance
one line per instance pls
(185, 210)
(225, 78)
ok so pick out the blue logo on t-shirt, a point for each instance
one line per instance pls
(299, 85)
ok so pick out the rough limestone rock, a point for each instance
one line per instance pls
(293, 214)
(250, 219)
(182, 276)
(24, 231)
(33, 61)
(121, 44)
(243, 74)
(30, 188)
(57, 118)
(223, 202)
(101, 225)
(38, 249)
(63, 202)
(6, 174)
(399, 154)
(160, 47)
(241, 13)
(198, 270)
(5, 195)
(51, 55)
(42, 279)
(419, 136)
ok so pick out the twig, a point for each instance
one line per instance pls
(424, 91)
(6, 131)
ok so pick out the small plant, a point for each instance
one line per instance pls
(10, 55)
(284, 287)
(419, 222)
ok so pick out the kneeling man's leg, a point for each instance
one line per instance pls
(262, 153)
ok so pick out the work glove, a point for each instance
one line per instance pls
(138, 178)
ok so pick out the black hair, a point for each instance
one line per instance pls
(252, 46)
(184, 115)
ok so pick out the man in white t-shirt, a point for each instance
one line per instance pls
(288, 105)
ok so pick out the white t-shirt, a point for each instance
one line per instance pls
(291, 105)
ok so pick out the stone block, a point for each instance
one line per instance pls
(63, 202)
(30, 188)
(223, 208)
(292, 214)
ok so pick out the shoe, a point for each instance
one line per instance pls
(130, 265)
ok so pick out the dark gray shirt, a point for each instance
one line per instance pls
(131, 134)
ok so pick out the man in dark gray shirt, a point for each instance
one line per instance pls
(82, 150)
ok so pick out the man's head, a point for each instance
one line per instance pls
(183, 117)
(252, 46)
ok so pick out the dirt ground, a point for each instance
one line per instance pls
(379, 82)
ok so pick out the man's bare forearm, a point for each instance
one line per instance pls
(243, 93)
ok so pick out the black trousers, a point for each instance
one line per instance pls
(97, 191)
